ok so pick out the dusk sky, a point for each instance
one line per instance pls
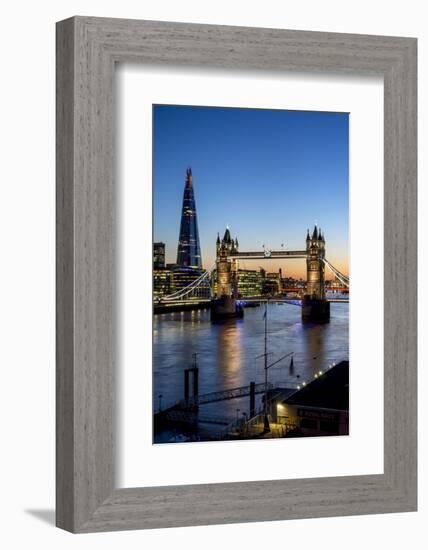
(268, 174)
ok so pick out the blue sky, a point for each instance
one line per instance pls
(268, 174)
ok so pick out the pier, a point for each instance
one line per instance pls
(309, 408)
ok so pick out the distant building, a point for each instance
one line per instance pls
(271, 284)
(158, 255)
(161, 282)
(183, 276)
(292, 286)
(170, 278)
(167, 281)
(249, 283)
(333, 284)
(189, 250)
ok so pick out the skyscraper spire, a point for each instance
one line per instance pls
(189, 251)
(189, 177)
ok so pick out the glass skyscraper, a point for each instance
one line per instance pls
(189, 250)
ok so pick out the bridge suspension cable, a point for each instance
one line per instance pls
(342, 278)
(202, 282)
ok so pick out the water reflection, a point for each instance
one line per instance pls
(229, 357)
(227, 351)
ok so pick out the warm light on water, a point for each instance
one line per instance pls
(228, 353)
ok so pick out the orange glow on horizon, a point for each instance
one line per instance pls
(295, 268)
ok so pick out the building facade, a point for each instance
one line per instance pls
(158, 255)
(271, 285)
(161, 282)
(189, 250)
(320, 407)
(182, 277)
(249, 283)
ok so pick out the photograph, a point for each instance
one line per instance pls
(250, 274)
(189, 189)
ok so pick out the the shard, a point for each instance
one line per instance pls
(189, 250)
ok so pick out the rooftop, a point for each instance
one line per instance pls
(330, 390)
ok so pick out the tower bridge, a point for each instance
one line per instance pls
(225, 303)
(223, 296)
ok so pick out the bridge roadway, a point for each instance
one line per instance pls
(170, 305)
(293, 301)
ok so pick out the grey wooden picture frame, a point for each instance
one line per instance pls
(87, 51)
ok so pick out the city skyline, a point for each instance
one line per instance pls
(269, 175)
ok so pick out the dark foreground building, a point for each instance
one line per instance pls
(189, 250)
(321, 407)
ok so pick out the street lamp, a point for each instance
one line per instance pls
(266, 426)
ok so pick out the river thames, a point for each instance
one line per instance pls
(228, 353)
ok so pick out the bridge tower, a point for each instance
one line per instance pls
(224, 304)
(314, 305)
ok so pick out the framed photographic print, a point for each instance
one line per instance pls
(250, 362)
(236, 282)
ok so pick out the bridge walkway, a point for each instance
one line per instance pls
(214, 397)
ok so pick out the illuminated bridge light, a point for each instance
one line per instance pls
(190, 284)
